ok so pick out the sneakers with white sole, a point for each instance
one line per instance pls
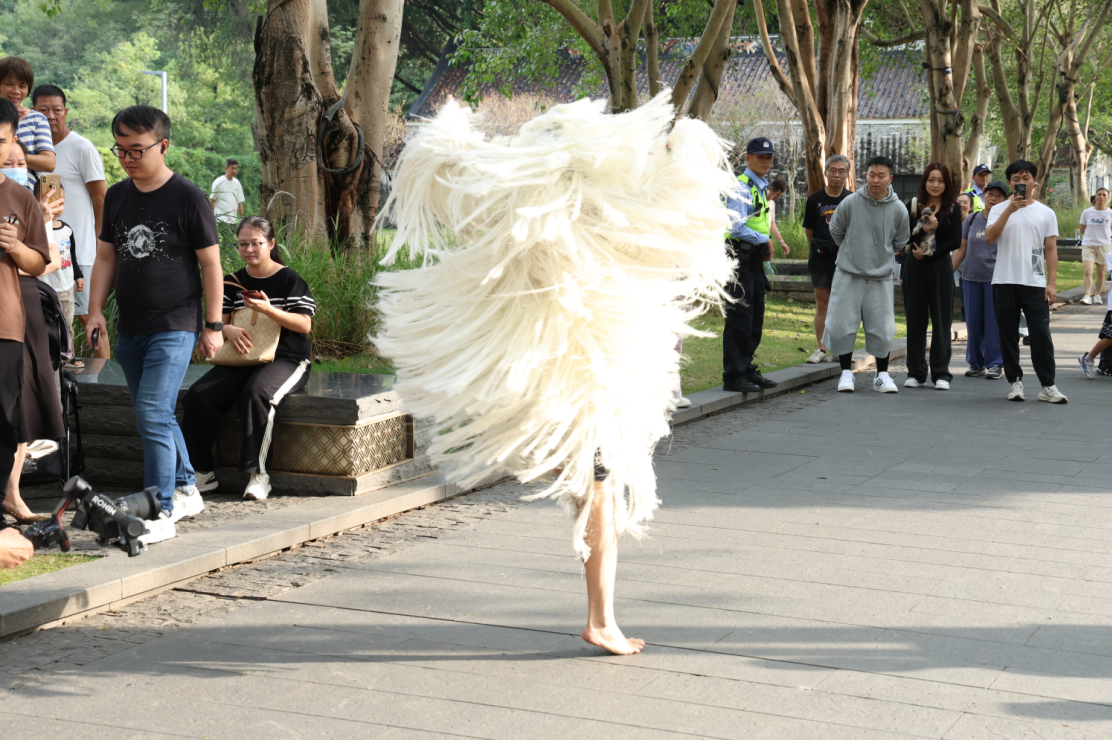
(994, 372)
(970, 373)
(258, 488)
(1087, 366)
(845, 383)
(206, 481)
(1086, 300)
(941, 385)
(158, 530)
(817, 356)
(1051, 394)
(187, 503)
(883, 383)
(683, 402)
(1096, 300)
(912, 383)
(1015, 393)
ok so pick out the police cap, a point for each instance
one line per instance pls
(759, 145)
(981, 168)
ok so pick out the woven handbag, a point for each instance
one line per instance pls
(265, 333)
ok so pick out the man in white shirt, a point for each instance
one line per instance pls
(82, 170)
(1025, 231)
(1096, 239)
(226, 197)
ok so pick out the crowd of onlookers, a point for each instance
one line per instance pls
(152, 240)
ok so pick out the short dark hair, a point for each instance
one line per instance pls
(140, 119)
(229, 162)
(47, 91)
(881, 161)
(1100, 189)
(9, 114)
(778, 185)
(19, 68)
(1021, 165)
(262, 224)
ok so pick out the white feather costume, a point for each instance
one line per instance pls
(541, 333)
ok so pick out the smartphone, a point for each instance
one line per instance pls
(252, 294)
(47, 183)
(1021, 190)
(96, 337)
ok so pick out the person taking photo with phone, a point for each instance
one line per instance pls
(1026, 236)
(156, 231)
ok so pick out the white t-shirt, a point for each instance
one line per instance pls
(79, 162)
(1019, 250)
(227, 195)
(62, 278)
(1098, 227)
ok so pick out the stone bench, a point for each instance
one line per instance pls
(344, 434)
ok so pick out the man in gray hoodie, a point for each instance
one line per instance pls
(869, 227)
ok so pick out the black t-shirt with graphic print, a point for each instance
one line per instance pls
(284, 289)
(157, 235)
(816, 216)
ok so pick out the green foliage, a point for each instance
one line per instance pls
(200, 167)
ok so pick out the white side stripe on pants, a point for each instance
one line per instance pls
(302, 368)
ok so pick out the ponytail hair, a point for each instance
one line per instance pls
(262, 224)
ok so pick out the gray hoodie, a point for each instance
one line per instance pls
(868, 233)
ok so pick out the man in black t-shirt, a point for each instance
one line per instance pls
(820, 263)
(157, 229)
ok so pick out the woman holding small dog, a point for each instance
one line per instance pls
(928, 277)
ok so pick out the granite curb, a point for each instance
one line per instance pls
(80, 590)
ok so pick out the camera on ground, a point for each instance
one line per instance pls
(119, 522)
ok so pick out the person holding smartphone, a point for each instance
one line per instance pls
(265, 285)
(1026, 236)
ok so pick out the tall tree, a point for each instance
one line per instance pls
(823, 88)
(320, 146)
(1075, 31)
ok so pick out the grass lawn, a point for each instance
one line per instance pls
(1070, 275)
(789, 338)
(40, 564)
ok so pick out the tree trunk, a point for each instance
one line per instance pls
(840, 25)
(977, 125)
(706, 91)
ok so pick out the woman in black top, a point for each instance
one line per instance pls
(928, 280)
(257, 390)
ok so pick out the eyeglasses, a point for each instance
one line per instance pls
(131, 153)
(258, 246)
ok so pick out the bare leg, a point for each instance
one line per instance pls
(602, 568)
(1088, 277)
(1098, 279)
(13, 503)
(1099, 347)
(822, 301)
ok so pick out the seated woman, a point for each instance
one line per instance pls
(256, 390)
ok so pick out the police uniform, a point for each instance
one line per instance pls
(978, 202)
(749, 239)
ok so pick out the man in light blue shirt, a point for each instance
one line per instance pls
(749, 240)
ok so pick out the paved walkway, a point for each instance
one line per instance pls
(825, 566)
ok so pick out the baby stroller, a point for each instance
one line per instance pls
(50, 461)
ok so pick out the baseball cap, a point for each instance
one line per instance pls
(759, 145)
(997, 185)
(981, 168)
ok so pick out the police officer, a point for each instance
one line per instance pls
(749, 240)
(981, 175)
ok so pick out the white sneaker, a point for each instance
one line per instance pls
(206, 481)
(187, 503)
(683, 402)
(259, 487)
(1096, 300)
(1051, 394)
(817, 356)
(158, 530)
(912, 383)
(941, 385)
(828, 357)
(845, 383)
(1087, 300)
(1016, 392)
(883, 383)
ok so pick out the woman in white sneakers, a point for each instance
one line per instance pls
(1096, 239)
(255, 390)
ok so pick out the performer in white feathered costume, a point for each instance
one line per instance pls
(540, 335)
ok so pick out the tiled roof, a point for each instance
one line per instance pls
(894, 89)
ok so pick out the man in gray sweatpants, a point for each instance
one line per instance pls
(869, 227)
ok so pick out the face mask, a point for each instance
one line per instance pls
(18, 174)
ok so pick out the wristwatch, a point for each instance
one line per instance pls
(215, 325)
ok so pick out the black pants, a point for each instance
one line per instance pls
(744, 318)
(11, 391)
(928, 292)
(257, 391)
(1009, 300)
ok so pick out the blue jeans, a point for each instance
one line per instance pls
(983, 347)
(155, 366)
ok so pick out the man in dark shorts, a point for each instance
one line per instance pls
(23, 246)
(816, 222)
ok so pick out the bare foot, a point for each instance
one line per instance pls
(22, 514)
(613, 641)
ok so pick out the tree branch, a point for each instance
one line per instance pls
(629, 30)
(770, 54)
(652, 47)
(908, 38)
(1001, 22)
(587, 29)
(407, 83)
(690, 72)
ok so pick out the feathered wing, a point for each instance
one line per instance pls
(543, 337)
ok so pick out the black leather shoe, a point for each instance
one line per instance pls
(741, 385)
(757, 379)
